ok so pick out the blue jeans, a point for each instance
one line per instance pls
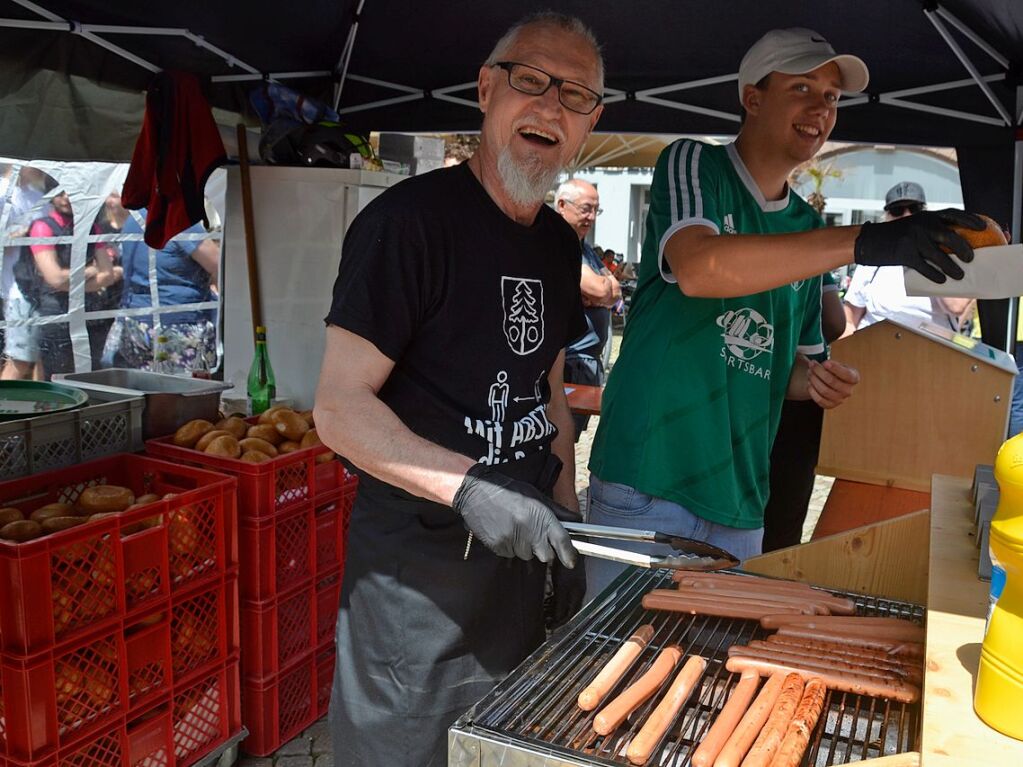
(622, 506)
(1016, 408)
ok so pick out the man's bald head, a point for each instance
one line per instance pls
(579, 204)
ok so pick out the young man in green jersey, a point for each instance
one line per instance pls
(727, 311)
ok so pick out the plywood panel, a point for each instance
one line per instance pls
(855, 504)
(921, 408)
(887, 559)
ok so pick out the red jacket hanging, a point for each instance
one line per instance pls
(178, 148)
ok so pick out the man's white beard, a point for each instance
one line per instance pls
(525, 185)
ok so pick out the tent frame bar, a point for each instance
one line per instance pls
(932, 16)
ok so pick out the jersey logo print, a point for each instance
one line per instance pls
(747, 334)
(797, 285)
(728, 225)
(522, 302)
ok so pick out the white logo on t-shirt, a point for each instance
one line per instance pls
(522, 301)
(728, 225)
(747, 335)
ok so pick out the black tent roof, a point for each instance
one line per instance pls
(428, 47)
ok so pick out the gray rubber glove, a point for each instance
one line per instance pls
(915, 241)
(512, 518)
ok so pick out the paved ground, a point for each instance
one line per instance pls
(312, 748)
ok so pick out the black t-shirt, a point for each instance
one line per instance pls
(472, 307)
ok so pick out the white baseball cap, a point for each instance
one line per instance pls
(796, 51)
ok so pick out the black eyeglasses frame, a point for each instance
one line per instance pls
(507, 66)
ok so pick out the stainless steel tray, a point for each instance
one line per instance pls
(169, 400)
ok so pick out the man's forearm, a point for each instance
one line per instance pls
(713, 266)
(564, 448)
(368, 433)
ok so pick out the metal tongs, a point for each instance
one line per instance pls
(693, 554)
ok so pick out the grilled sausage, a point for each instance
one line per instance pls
(615, 668)
(672, 601)
(805, 603)
(909, 671)
(797, 735)
(752, 722)
(642, 746)
(609, 717)
(857, 684)
(726, 720)
(858, 651)
(883, 628)
(892, 646)
(815, 664)
(763, 586)
(767, 743)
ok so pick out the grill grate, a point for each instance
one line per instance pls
(536, 704)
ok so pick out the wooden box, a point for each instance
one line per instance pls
(929, 402)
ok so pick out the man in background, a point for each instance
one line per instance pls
(879, 292)
(579, 204)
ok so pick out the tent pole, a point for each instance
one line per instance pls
(1017, 217)
(346, 55)
(932, 16)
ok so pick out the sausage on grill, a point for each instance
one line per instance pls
(615, 668)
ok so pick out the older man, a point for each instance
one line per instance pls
(579, 204)
(442, 385)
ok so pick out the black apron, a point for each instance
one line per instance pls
(423, 634)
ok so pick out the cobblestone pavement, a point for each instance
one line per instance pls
(313, 749)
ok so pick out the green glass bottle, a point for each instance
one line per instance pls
(262, 388)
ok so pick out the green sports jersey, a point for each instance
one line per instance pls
(692, 405)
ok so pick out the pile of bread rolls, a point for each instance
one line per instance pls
(94, 503)
(279, 430)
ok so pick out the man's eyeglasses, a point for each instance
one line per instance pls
(586, 210)
(536, 82)
(905, 208)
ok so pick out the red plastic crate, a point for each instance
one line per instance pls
(277, 554)
(59, 587)
(276, 710)
(206, 713)
(326, 657)
(276, 632)
(52, 698)
(151, 739)
(202, 627)
(328, 598)
(264, 488)
(148, 651)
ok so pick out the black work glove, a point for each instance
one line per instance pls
(512, 518)
(915, 241)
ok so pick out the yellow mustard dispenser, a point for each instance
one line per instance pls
(999, 695)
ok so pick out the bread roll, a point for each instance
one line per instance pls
(21, 530)
(307, 416)
(209, 436)
(235, 425)
(255, 456)
(993, 235)
(10, 514)
(288, 447)
(142, 500)
(267, 414)
(290, 424)
(255, 443)
(265, 431)
(225, 445)
(56, 524)
(52, 510)
(310, 439)
(189, 434)
(100, 498)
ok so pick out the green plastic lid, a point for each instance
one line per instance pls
(24, 399)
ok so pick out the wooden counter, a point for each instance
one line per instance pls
(583, 399)
(935, 563)
(957, 603)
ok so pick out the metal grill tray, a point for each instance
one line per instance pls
(531, 718)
